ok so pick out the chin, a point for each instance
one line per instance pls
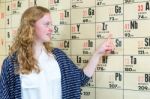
(46, 40)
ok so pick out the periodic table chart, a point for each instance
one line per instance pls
(80, 26)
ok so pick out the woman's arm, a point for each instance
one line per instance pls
(105, 48)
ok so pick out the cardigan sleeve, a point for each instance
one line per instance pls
(83, 77)
(4, 89)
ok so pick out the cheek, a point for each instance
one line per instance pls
(38, 31)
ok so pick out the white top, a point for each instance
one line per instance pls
(46, 84)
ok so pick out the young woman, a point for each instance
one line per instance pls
(35, 70)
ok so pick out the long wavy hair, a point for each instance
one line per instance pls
(24, 40)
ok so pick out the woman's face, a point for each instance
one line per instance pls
(43, 28)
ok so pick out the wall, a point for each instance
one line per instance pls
(80, 26)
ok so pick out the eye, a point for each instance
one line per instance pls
(48, 24)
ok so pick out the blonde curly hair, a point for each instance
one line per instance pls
(23, 42)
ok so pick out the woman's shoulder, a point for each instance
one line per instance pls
(57, 51)
(9, 60)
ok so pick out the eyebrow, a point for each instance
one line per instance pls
(47, 22)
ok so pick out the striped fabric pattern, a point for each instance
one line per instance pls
(72, 78)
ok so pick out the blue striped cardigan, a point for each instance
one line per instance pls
(72, 78)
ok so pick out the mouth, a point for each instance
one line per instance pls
(49, 34)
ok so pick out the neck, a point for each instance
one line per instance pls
(37, 49)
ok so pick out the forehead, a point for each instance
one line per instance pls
(46, 17)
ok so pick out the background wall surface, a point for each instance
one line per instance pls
(80, 26)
